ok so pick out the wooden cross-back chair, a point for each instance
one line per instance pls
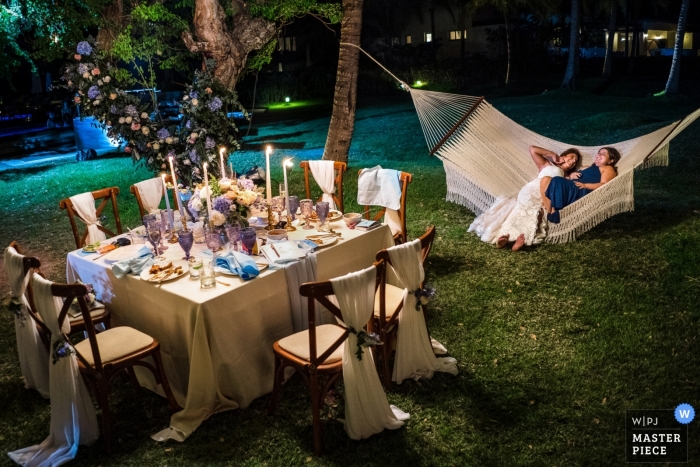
(340, 168)
(402, 236)
(314, 353)
(388, 303)
(104, 195)
(135, 191)
(103, 356)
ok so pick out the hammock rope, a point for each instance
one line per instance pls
(486, 156)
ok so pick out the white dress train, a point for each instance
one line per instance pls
(515, 215)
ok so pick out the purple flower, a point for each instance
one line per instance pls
(188, 125)
(194, 95)
(194, 157)
(215, 104)
(246, 184)
(209, 143)
(131, 111)
(163, 133)
(113, 109)
(221, 204)
(82, 68)
(171, 153)
(93, 92)
(84, 48)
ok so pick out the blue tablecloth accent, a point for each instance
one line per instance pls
(142, 259)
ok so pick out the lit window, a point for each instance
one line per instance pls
(457, 35)
(428, 37)
(408, 39)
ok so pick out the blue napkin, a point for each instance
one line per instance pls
(142, 259)
(238, 263)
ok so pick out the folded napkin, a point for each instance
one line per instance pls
(142, 259)
(238, 263)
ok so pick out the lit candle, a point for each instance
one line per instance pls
(206, 184)
(167, 203)
(268, 185)
(287, 163)
(223, 167)
(177, 191)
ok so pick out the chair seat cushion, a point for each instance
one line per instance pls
(96, 314)
(298, 344)
(393, 297)
(114, 344)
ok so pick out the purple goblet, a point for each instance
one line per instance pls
(186, 240)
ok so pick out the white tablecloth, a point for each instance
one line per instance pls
(217, 343)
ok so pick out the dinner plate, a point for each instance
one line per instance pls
(324, 241)
(123, 253)
(333, 216)
(147, 276)
(260, 224)
(259, 261)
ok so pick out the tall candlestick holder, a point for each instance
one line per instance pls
(270, 217)
(289, 227)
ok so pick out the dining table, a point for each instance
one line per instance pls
(216, 343)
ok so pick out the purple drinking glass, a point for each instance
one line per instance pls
(293, 206)
(248, 238)
(186, 239)
(233, 232)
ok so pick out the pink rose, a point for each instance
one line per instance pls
(135, 126)
(77, 99)
(77, 56)
(127, 150)
(208, 90)
(95, 71)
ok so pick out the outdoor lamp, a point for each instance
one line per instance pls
(286, 99)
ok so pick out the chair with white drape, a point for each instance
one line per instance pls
(149, 193)
(321, 354)
(388, 189)
(73, 419)
(329, 177)
(399, 314)
(82, 206)
(33, 355)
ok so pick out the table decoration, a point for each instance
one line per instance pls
(306, 206)
(248, 238)
(288, 227)
(186, 239)
(322, 210)
(293, 207)
(222, 165)
(167, 203)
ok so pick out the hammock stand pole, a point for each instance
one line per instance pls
(457, 125)
(662, 141)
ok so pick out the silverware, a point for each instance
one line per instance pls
(223, 283)
(98, 257)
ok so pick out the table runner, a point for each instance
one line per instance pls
(216, 344)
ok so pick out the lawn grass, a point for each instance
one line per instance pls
(553, 343)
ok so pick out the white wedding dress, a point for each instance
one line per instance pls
(514, 215)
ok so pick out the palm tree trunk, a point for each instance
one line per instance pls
(607, 67)
(572, 65)
(674, 76)
(505, 17)
(345, 99)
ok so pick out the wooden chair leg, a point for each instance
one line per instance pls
(174, 406)
(386, 353)
(276, 386)
(102, 393)
(316, 412)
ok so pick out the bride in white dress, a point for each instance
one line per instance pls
(518, 218)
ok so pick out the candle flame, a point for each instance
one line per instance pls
(221, 151)
(288, 162)
(269, 150)
(205, 166)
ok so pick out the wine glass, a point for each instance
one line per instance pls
(153, 231)
(278, 206)
(293, 206)
(306, 210)
(233, 232)
(212, 238)
(322, 210)
(186, 240)
(248, 238)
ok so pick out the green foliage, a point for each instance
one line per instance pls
(285, 10)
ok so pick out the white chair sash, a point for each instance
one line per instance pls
(324, 174)
(84, 206)
(297, 273)
(415, 357)
(33, 357)
(367, 410)
(379, 187)
(151, 192)
(73, 419)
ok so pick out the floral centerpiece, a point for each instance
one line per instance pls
(231, 200)
(204, 126)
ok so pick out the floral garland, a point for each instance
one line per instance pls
(61, 349)
(15, 305)
(195, 139)
(364, 339)
(423, 295)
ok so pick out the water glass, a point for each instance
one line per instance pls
(248, 238)
(207, 276)
(322, 210)
(293, 206)
(148, 218)
(307, 207)
(186, 239)
(153, 230)
(137, 235)
(195, 265)
(213, 239)
(233, 232)
(198, 231)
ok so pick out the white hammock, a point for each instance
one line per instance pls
(485, 155)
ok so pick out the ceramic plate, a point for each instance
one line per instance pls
(333, 216)
(259, 224)
(146, 274)
(323, 242)
(123, 253)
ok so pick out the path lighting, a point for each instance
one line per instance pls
(419, 83)
(286, 99)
